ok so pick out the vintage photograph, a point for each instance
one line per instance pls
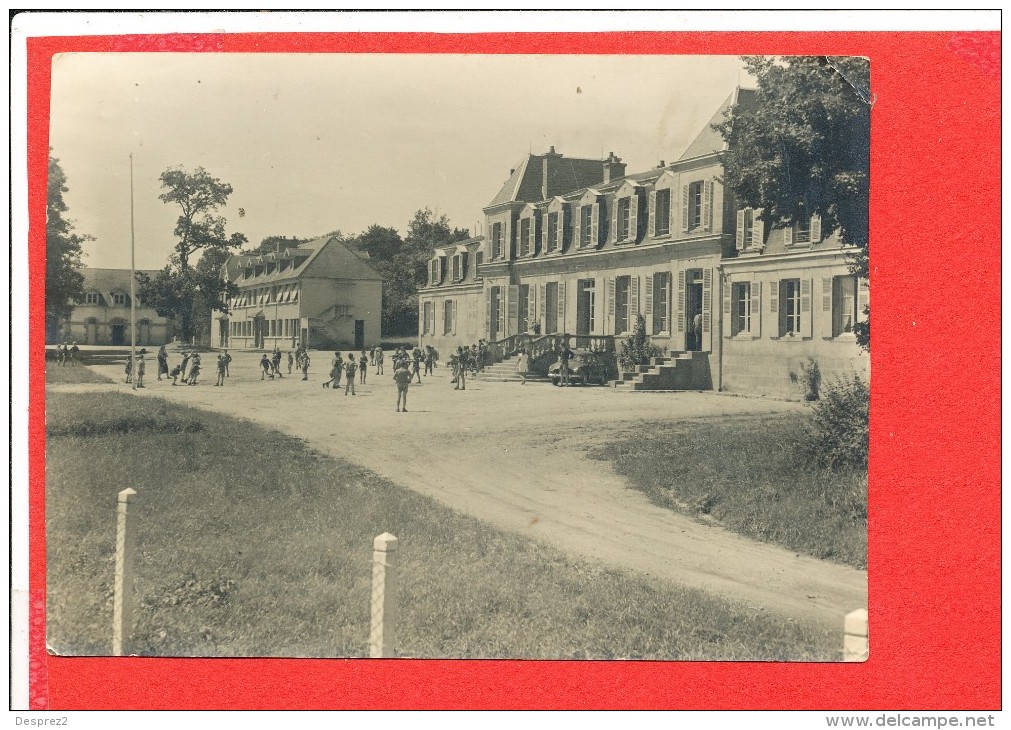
(458, 356)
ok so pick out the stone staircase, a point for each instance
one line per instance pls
(677, 371)
(505, 372)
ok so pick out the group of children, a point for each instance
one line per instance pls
(65, 353)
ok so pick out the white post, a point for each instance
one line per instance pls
(383, 637)
(122, 607)
(855, 647)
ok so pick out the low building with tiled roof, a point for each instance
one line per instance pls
(102, 316)
(322, 293)
(576, 249)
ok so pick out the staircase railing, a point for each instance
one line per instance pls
(539, 345)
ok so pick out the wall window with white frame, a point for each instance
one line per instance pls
(624, 214)
(789, 307)
(496, 241)
(447, 317)
(119, 299)
(845, 313)
(740, 321)
(661, 302)
(585, 225)
(91, 297)
(662, 212)
(552, 232)
(695, 198)
(524, 236)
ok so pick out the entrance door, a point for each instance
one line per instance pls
(693, 309)
(119, 334)
(222, 333)
(91, 331)
(496, 313)
(259, 331)
(359, 334)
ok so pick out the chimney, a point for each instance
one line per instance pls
(661, 165)
(614, 168)
(546, 169)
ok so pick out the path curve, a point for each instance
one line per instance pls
(515, 456)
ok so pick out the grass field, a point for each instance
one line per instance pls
(752, 476)
(72, 372)
(250, 543)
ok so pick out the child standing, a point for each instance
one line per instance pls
(363, 362)
(349, 372)
(265, 366)
(402, 377)
(305, 365)
(222, 369)
(523, 365)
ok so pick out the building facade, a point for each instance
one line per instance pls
(102, 317)
(322, 293)
(578, 247)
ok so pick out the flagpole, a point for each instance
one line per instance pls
(133, 292)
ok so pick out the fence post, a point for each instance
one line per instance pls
(122, 606)
(855, 647)
(383, 638)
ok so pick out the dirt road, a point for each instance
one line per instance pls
(514, 456)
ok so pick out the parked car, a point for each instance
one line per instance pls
(585, 368)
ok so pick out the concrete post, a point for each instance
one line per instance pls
(855, 648)
(122, 607)
(383, 637)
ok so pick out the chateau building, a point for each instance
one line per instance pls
(102, 317)
(579, 247)
(321, 293)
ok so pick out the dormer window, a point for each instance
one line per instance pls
(119, 299)
(624, 218)
(805, 230)
(552, 242)
(661, 212)
(92, 297)
(525, 236)
(496, 241)
(585, 225)
(696, 206)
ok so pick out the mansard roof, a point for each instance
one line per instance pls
(526, 183)
(327, 257)
(709, 141)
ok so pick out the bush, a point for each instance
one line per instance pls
(636, 350)
(841, 420)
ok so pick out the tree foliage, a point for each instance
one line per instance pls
(803, 146)
(180, 290)
(403, 264)
(64, 280)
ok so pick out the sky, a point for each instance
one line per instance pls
(313, 143)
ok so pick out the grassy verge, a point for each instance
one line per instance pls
(72, 372)
(752, 476)
(250, 543)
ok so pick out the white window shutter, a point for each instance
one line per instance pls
(577, 232)
(487, 311)
(651, 212)
(815, 228)
(757, 229)
(560, 324)
(756, 308)
(684, 209)
(728, 314)
(863, 298)
(826, 294)
(633, 300)
(774, 296)
(561, 227)
(531, 307)
(647, 305)
(533, 235)
(707, 309)
(454, 316)
(681, 305)
(633, 218)
(788, 236)
(614, 220)
(609, 293)
(514, 308)
(707, 205)
(595, 224)
(542, 297)
(805, 308)
(544, 231)
(741, 230)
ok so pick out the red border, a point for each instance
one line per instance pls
(935, 437)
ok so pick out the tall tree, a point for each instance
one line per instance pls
(180, 290)
(64, 281)
(403, 263)
(803, 147)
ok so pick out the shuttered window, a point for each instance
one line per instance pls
(525, 237)
(740, 294)
(552, 308)
(845, 312)
(622, 292)
(659, 299)
(447, 317)
(524, 309)
(661, 213)
(624, 219)
(496, 241)
(585, 225)
(552, 233)
(789, 307)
